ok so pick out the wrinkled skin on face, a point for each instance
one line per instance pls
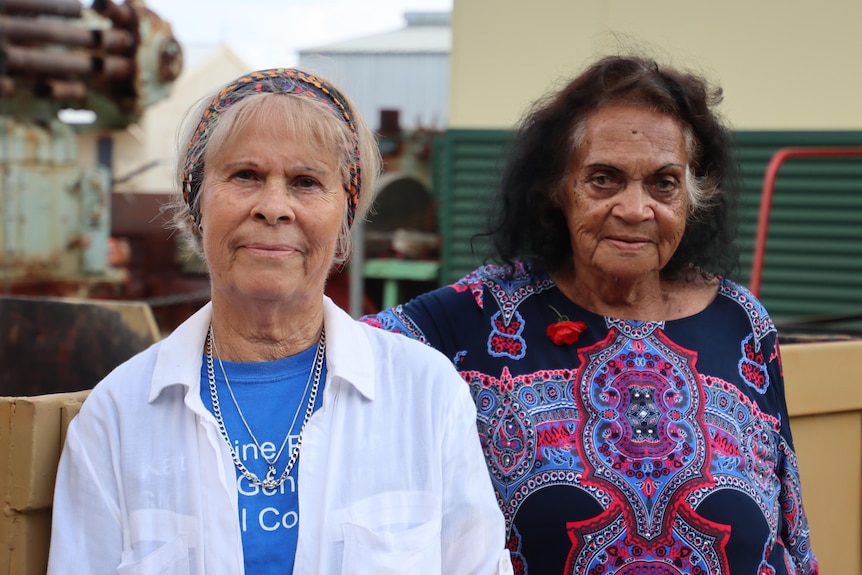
(626, 204)
(271, 210)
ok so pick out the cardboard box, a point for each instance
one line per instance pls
(822, 377)
(5, 448)
(26, 542)
(32, 432)
(33, 429)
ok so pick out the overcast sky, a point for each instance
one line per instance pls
(268, 33)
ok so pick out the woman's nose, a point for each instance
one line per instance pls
(274, 202)
(634, 203)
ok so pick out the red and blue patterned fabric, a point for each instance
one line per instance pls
(641, 448)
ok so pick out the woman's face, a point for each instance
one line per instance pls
(271, 210)
(625, 197)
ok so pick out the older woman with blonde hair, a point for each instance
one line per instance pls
(271, 433)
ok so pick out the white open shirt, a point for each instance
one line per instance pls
(391, 480)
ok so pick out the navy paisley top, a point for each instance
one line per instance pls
(642, 448)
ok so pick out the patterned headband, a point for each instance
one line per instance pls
(276, 81)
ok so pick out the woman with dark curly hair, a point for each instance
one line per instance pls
(630, 396)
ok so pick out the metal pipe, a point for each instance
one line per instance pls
(28, 30)
(114, 67)
(34, 61)
(356, 288)
(67, 8)
(122, 15)
(61, 90)
(115, 41)
(767, 193)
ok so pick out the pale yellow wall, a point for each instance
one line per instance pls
(822, 383)
(783, 65)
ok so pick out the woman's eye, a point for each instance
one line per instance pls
(604, 182)
(663, 184)
(306, 183)
(244, 175)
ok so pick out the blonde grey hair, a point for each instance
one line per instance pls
(311, 120)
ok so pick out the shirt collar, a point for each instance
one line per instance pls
(180, 355)
(349, 356)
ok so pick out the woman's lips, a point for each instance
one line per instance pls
(628, 244)
(269, 250)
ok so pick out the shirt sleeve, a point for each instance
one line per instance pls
(437, 318)
(86, 530)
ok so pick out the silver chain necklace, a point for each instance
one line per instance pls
(270, 482)
(242, 416)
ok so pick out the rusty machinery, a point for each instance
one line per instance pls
(112, 59)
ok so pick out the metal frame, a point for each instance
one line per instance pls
(769, 178)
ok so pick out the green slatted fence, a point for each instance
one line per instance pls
(813, 264)
(466, 167)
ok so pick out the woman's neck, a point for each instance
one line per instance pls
(645, 299)
(263, 331)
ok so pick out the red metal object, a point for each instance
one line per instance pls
(769, 178)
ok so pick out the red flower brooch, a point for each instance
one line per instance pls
(565, 332)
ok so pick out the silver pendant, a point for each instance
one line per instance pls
(270, 482)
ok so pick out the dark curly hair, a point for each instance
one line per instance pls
(529, 223)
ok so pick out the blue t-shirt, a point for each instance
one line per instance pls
(273, 397)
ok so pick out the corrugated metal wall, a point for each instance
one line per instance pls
(813, 265)
(415, 84)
